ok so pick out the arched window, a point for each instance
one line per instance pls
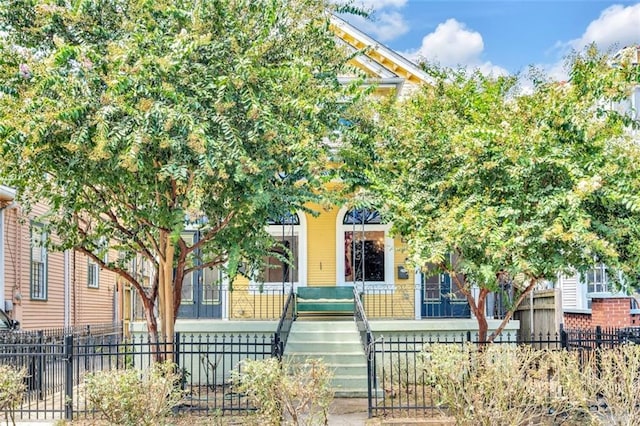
(290, 233)
(365, 251)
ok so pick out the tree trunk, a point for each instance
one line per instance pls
(152, 327)
(165, 291)
(170, 318)
(532, 283)
(161, 284)
(481, 316)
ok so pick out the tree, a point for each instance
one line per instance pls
(501, 188)
(129, 118)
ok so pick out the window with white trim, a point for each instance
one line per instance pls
(93, 268)
(282, 266)
(597, 279)
(93, 274)
(38, 262)
(365, 250)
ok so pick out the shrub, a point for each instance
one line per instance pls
(620, 386)
(286, 392)
(135, 397)
(572, 386)
(500, 385)
(12, 388)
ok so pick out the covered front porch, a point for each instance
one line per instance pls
(410, 302)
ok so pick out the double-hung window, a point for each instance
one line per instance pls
(597, 279)
(38, 262)
(93, 268)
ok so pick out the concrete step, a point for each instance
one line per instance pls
(331, 359)
(322, 347)
(337, 343)
(324, 336)
(343, 370)
(332, 326)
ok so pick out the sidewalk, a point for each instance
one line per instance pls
(354, 412)
(348, 412)
(342, 412)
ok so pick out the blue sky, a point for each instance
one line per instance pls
(500, 36)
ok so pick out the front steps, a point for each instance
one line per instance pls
(337, 343)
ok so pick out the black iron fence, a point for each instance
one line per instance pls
(58, 334)
(56, 369)
(398, 385)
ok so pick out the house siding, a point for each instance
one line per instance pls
(86, 307)
(12, 243)
(571, 293)
(321, 240)
(92, 305)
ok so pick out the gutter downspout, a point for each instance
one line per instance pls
(67, 289)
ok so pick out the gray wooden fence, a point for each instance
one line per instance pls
(541, 313)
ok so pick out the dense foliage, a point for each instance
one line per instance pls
(132, 118)
(506, 189)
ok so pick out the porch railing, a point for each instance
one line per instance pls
(366, 337)
(380, 301)
(284, 326)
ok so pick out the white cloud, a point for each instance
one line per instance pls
(385, 21)
(452, 44)
(383, 26)
(617, 26)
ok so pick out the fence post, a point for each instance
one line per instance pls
(598, 347)
(276, 346)
(176, 360)
(598, 337)
(38, 364)
(370, 354)
(176, 349)
(564, 338)
(68, 377)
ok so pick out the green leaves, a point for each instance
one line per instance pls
(141, 113)
(531, 184)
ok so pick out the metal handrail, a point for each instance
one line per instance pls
(284, 326)
(366, 335)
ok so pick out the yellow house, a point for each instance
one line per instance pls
(339, 247)
(337, 250)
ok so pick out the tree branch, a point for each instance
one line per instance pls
(212, 232)
(218, 260)
(113, 217)
(532, 282)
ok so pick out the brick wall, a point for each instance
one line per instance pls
(611, 312)
(606, 312)
(573, 320)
